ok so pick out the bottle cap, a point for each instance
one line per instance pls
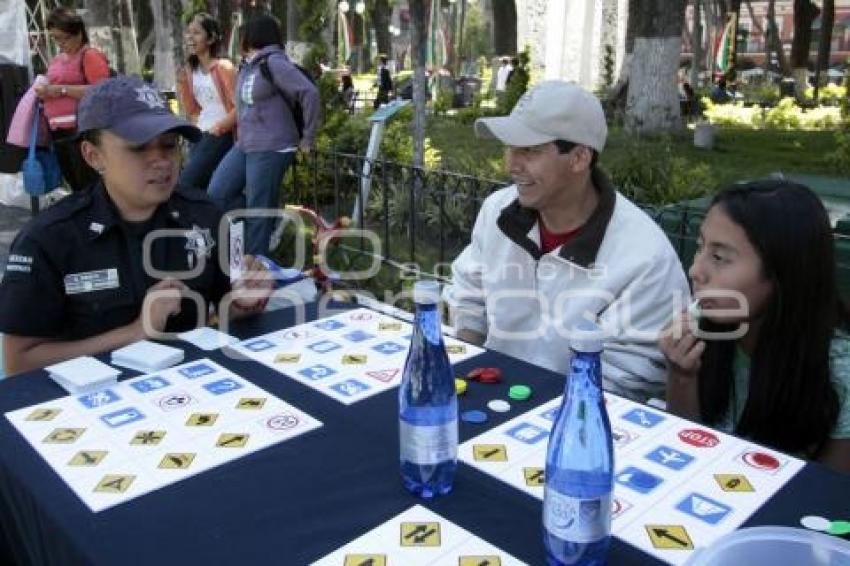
(586, 336)
(426, 292)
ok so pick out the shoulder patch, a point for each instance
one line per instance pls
(19, 262)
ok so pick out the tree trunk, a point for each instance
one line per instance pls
(168, 34)
(825, 44)
(111, 29)
(504, 27)
(618, 94)
(775, 41)
(381, 23)
(652, 105)
(460, 50)
(696, 44)
(98, 18)
(735, 11)
(804, 14)
(291, 21)
(762, 31)
(419, 23)
(124, 36)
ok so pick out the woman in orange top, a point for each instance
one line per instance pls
(205, 87)
(69, 74)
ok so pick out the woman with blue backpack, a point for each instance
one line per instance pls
(278, 111)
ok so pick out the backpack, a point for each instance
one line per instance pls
(296, 109)
(112, 72)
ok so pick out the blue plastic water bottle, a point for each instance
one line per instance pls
(580, 462)
(427, 408)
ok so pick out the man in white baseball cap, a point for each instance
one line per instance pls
(561, 244)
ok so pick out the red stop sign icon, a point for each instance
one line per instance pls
(699, 438)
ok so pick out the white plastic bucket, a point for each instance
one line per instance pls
(774, 546)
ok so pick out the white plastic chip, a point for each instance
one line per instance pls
(499, 406)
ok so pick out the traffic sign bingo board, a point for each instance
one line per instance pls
(418, 536)
(348, 356)
(677, 485)
(150, 431)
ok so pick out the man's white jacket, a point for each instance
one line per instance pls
(620, 271)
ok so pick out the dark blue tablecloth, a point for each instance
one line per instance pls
(294, 502)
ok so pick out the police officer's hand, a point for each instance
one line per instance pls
(251, 293)
(161, 301)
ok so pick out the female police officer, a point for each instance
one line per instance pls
(127, 258)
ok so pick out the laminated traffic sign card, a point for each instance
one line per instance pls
(118, 443)
(348, 356)
(677, 485)
(418, 537)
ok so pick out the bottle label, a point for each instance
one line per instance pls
(577, 520)
(428, 445)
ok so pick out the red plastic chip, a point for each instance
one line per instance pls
(486, 375)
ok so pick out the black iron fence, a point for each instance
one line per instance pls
(423, 219)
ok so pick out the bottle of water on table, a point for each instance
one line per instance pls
(580, 462)
(428, 427)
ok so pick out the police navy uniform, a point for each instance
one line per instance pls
(76, 270)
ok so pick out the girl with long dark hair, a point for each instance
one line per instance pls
(768, 358)
(206, 89)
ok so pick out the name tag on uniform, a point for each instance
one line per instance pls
(91, 281)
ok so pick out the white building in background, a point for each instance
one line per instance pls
(568, 37)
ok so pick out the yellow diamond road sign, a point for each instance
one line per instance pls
(420, 534)
(43, 414)
(148, 437)
(733, 482)
(87, 458)
(177, 461)
(114, 483)
(232, 440)
(669, 537)
(489, 452)
(365, 560)
(251, 403)
(533, 476)
(64, 435)
(202, 419)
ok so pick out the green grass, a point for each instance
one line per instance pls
(738, 154)
(462, 152)
(748, 154)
